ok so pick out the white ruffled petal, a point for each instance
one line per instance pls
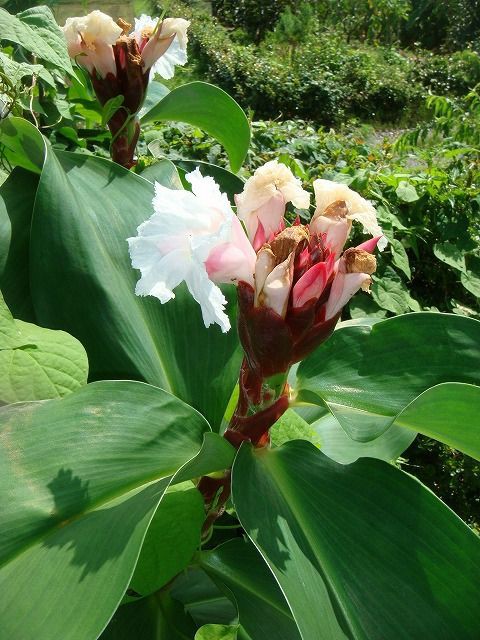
(188, 233)
(208, 192)
(161, 273)
(165, 65)
(210, 297)
(143, 25)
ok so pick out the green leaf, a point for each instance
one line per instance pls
(24, 144)
(361, 551)
(451, 255)
(471, 278)
(337, 445)
(37, 363)
(448, 412)
(81, 478)
(293, 427)
(156, 92)
(392, 295)
(85, 209)
(262, 610)
(110, 108)
(171, 540)
(164, 172)
(158, 617)
(37, 32)
(367, 375)
(215, 455)
(406, 192)
(16, 71)
(217, 632)
(202, 599)
(362, 305)
(400, 257)
(43, 23)
(17, 196)
(208, 107)
(228, 182)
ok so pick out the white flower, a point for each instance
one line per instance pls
(328, 193)
(162, 49)
(192, 238)
(90, 39)
(261, 205)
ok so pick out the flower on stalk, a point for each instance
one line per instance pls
(336, 207)
(90, 41)
(192, 237)
(261, 205)
(162, 45)
(291, 291)
(120, 61)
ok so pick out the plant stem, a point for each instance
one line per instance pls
(261, 402)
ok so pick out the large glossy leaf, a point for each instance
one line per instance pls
(362, 551)
(81, 479)
(17, 196)
(156, 92)
(337, 444)
(325, 433)
(37, 363)
(263, 613)
(29, 32)
(450, 413)
(85, 210)
(367, 375)
(24, 145)
(208, 107)
(171, 540)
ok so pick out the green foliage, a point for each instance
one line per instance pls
(453, 24)
(354, 356)
(253, 17)
(37, 363)
(307, 70)
(453, 476)
(365, 20)
(332, 519)
(212, 110)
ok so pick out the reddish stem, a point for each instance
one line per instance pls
(259, 407)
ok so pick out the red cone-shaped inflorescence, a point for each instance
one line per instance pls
(273, 342)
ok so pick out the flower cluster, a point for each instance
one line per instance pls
(121, 61)
(93, 41)
(292, 281)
